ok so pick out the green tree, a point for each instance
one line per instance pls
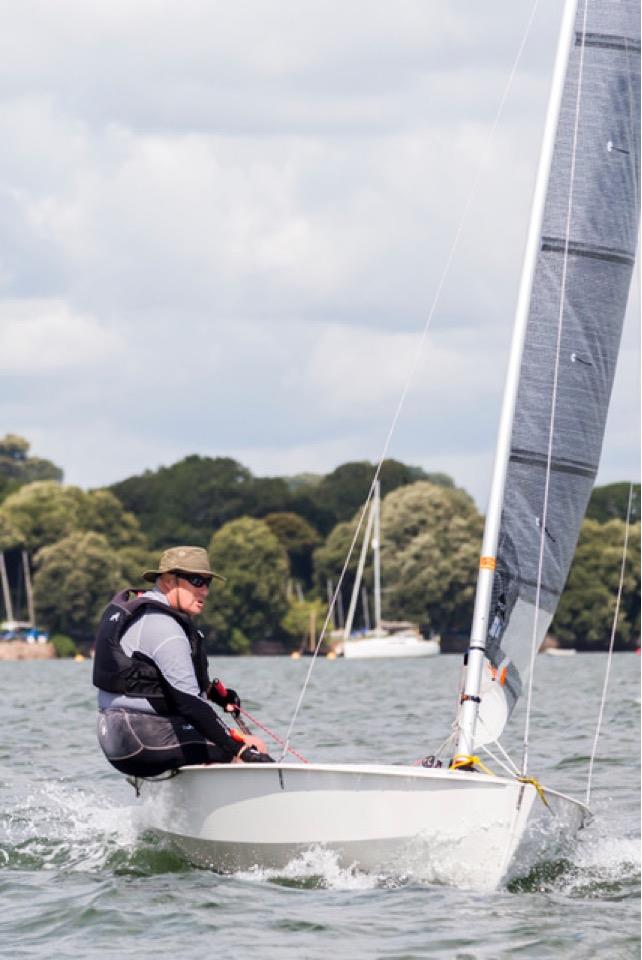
(585, 613)
(74, 580)
(430, 540)
(303, 622)
(17, 465)
(104, 513)
(328, 559)
(193, 498)
(251, 603)
(611, 501)
(186, 502)
(63, 645)
(44, 512)
(13, 454)
(344, 490)
(133, 560)
(10, 536)
(299, 540)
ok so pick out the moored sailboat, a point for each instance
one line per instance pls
(386, 640)
(474, 827)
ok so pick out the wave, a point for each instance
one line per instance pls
(55, 825)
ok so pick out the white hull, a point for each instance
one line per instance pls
(461, 828)
(395, 645)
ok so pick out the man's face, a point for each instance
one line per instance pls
(186, 592)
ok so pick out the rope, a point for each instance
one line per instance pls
(466, 760)
(538, 787)
(611, 644)
(135, 782)
(551, 431)
(286, 743)
(510, 768)
(418, 356)
(270, 733)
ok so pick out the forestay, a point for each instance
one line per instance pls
(583, 268)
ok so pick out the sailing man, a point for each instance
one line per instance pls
(150, 668)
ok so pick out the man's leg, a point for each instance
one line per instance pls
(145, 745)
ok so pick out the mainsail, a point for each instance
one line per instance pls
(579, 293)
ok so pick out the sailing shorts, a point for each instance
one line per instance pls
(146, 744)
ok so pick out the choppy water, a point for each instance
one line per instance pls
(80, 876)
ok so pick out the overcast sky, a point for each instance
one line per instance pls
(222, 226)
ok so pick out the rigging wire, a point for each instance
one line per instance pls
(512, 767)
(611, 645)
(551, 429)
(607, 673)
(418, 356)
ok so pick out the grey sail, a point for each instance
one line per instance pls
(596, 162)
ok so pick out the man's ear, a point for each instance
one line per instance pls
(166, 582)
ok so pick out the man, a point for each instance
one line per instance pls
(150, 668)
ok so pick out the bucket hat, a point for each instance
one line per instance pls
(187, 559)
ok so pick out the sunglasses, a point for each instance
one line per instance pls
(194, 578)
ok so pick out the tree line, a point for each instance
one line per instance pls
(281, 543)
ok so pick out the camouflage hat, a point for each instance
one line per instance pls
(187, 559)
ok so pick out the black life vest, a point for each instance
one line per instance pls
(138, 675)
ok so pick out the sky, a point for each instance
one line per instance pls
(224, 225)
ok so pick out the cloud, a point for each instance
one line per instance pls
(39, 336)
(250, 221)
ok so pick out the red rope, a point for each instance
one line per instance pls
(281, 743)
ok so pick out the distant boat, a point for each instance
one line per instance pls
(390, 645)
(560, 651)
(387, 639)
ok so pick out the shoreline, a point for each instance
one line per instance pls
(11, 650)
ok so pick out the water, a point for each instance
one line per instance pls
(81, 877)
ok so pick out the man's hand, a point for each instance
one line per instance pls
(224, 696)
(255, 742)
(249, 754)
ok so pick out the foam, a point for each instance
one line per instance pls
(66, 826)
(317, 867)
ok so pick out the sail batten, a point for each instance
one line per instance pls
(534, 458)
(607, 41)
(593, 251)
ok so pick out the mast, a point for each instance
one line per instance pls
(340, 616)
(329, 589)
(28, 589)
(365, 607)
(5, 588)
(357, 580)
(479, 629)
(376, 546)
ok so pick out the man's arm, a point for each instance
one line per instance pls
(201, 715)
(166, 644)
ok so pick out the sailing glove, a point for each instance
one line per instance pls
(252, 755)
(224, 696)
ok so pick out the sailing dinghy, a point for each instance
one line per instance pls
(473, 827)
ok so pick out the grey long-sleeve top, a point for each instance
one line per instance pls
(162, 640)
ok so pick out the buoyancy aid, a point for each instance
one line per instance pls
(138, 676)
